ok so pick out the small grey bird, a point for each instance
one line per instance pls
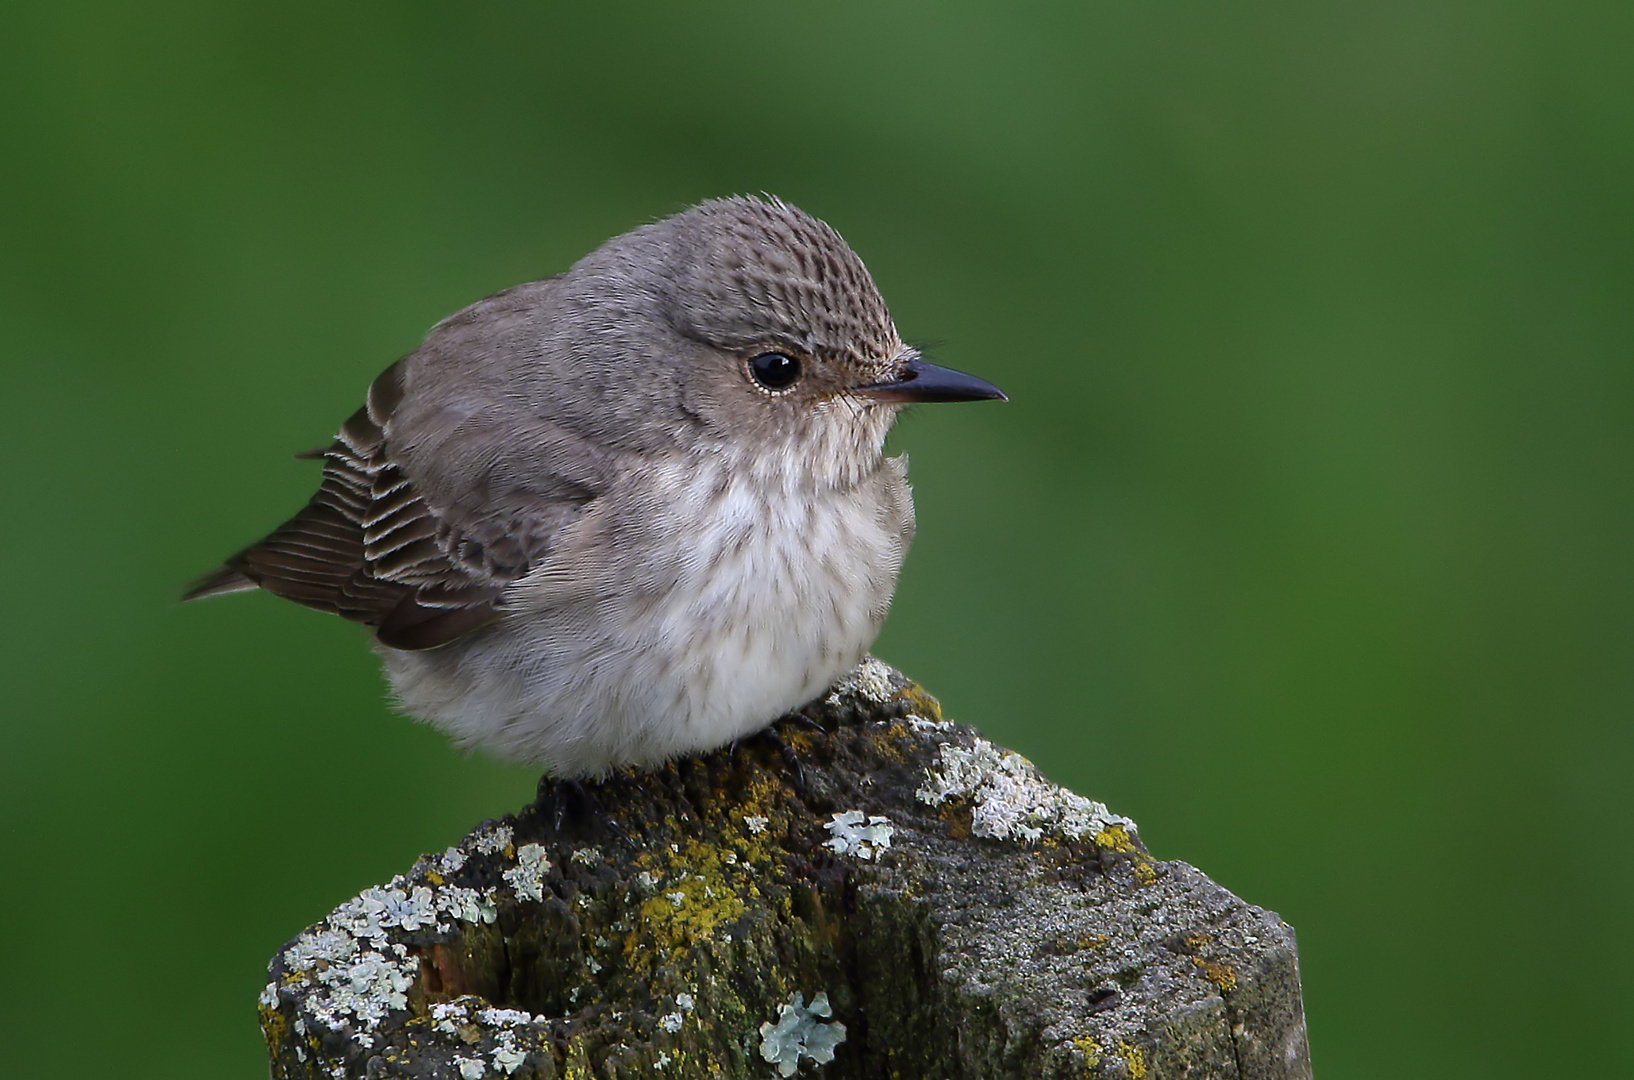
(630, 512)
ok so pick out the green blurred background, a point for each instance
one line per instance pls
(1305, 539)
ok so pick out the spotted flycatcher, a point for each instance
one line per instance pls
(630, 512)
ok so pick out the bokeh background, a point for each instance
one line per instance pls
(1306, 539)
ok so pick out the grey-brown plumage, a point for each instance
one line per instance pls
(367, 546)
(587, 518)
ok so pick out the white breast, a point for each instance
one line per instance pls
(678, 624)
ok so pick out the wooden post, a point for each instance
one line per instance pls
(891, 897)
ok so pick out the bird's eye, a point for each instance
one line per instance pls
(774, 370)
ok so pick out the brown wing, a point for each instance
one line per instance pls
(368, 547)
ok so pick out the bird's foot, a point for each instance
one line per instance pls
(807, 721)
(573, 804)
(791, 757)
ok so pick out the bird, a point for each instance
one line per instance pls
(632, 512)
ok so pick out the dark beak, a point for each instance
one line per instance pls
(920, 381)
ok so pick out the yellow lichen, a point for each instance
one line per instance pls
(1091, 1050)
(1134, 1060)
(958, 818)
(273, 1026)
(694, 898)
(1217, 973)
(1115, 838)
(1145, 872)
(576, 1061)
(887, 744)
(920, 703)
(800, 741)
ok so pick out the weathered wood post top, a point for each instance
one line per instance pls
(904, 900)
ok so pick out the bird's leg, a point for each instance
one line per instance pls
(572, 801)
(567, 792)
(791, 759)
(555, 796)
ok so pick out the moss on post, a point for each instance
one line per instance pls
(907, 900)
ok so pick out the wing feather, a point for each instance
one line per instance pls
(368, 546)
(425, 556)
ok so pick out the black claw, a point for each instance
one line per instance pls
(808, 722)
(791, 760)
(616, 827)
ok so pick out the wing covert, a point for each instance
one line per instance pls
(370, 548)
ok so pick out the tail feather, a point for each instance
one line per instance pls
(218, 582)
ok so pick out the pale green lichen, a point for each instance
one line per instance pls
(502, 1017)
(492, 839)
(508, 1057)
(358, 977)
(527, 877)
(797, 1034)
(856, 833)
(444, 1015)
(1009, 799)
(347, 974)
(869, 680)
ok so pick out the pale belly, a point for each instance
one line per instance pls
(748, 611)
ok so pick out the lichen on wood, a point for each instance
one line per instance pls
(946, 911)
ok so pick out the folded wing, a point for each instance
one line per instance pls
(369, 548)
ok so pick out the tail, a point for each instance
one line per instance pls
(218, 582)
